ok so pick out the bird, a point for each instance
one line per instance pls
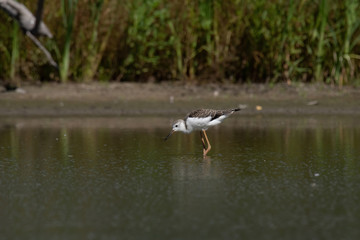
(31, 25)
(201, 119)
(25, 18)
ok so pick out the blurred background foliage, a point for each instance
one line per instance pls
(264, 41)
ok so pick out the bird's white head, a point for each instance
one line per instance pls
(179, 125)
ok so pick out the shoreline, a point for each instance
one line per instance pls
(151, 99)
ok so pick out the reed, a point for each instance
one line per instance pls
(5, 57)
(68, 12)
(14, 53)
(351, 40)
(147, 39)
(322, 21)
(92, 60)
(202, 40)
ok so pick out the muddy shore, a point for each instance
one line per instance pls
(132, 99)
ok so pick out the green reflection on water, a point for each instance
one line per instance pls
(110, 178)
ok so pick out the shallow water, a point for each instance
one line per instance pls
(115, 178)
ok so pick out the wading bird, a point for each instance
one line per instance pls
(31, 26)
(201, 119)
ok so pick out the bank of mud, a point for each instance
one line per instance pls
(131, 99)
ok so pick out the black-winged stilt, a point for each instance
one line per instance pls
(201, 119)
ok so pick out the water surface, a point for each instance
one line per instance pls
(115, 178)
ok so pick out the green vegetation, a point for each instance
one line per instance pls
(68, 12)
(205, 40)
(15, 50)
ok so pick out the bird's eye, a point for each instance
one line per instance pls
(176, 125)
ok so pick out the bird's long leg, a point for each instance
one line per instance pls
(208, 143)
(203, 142)
(39, 11)
(42, 48)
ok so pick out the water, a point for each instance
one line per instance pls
(115, 178)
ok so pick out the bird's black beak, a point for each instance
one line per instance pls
(168, 135)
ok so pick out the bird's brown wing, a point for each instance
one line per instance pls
(202, 113)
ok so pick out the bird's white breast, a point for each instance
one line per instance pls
(198, 123)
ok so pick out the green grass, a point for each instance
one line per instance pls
(15, 49)
(189, 40)
(68, 12)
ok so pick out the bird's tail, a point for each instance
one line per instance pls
(235, 109)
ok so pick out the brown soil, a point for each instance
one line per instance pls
(114, 99)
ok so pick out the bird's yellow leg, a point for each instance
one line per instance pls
(202, 140)
(208, 143)
(203, 143)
